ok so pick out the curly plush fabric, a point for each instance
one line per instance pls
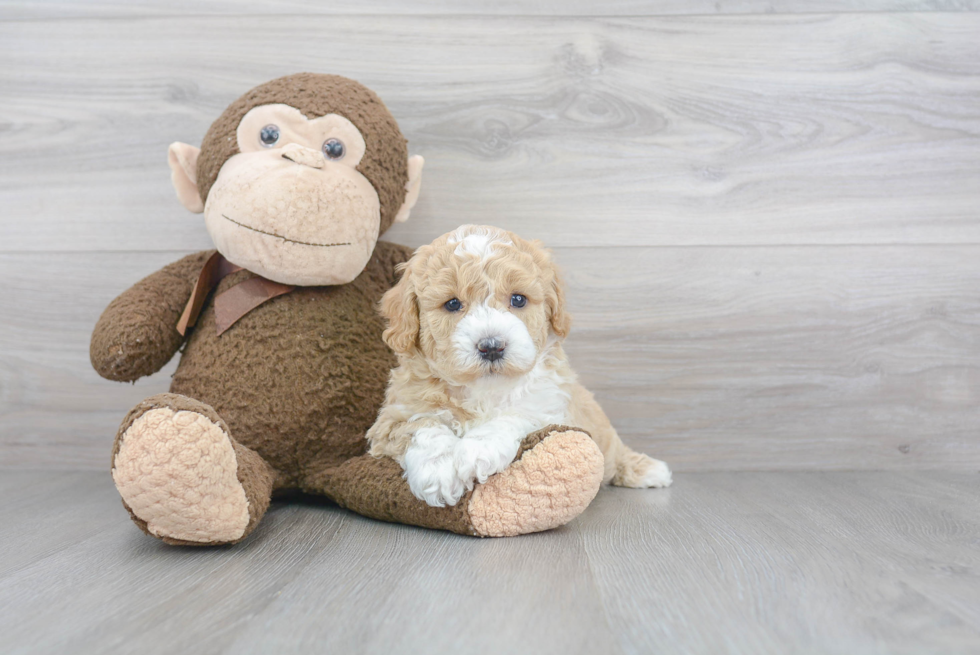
(315, 95)
(179, 473)
(181, 476)
(136, 334)
(299, 378)
(557, 473)
(548, 486)
(373, 487)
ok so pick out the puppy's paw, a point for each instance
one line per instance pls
(477, 459)
(432, 477)
(657, 475)
(641, 472)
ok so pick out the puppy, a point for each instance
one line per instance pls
(477, 322)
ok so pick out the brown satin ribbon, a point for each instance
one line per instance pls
(242, 298)
(229, 305)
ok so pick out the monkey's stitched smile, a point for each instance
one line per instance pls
(273, 234)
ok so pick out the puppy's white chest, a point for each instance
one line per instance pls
(537, 398)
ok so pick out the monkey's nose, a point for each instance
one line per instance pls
(491, 349)
(302, 155)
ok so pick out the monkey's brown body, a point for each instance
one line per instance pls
(300, 378)
(283, 398)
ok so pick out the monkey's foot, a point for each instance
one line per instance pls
(183, 478)
(555, 476)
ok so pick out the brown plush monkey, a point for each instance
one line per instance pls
(283, 367)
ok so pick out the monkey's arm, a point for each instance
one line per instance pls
(137, 333)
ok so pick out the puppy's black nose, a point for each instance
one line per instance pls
(491, 349)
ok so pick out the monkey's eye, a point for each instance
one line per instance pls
(333, 149)
(453, 305)
(517, 300)
(269, 135)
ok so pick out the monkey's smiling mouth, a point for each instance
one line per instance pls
(279, 236)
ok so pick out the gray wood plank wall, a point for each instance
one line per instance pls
(768, 217)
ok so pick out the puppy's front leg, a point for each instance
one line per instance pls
(489, 448)
(429, 466)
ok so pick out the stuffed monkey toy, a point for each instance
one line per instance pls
(282, 367)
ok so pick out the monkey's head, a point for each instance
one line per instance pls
(299, 177)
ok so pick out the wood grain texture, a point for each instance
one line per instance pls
(794, 129)
(754, 563)
(820, 357)
(709, 358)
(769, 223)
(54, 409)
(40, 9)
(819, 561)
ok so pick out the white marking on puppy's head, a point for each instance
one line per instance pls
(477, 240)
(479, 301)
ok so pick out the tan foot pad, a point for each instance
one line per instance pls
(177, 472)
(549, 486)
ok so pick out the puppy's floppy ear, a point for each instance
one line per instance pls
(400, 306)
(561, 321)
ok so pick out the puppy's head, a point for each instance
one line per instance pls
(478, 301)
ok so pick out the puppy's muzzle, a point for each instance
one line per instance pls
(491, 349)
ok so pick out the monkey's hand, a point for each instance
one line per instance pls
(137, 333)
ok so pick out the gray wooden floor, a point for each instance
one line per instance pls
(831, 562)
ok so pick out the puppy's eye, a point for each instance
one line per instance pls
(269, 135)
(517, 300)
(453, 305)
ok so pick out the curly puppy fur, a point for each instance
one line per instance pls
(455, 413)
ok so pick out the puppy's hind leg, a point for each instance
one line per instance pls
(623, 467)
(640, 471)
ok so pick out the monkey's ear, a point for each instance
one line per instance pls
(412, 187)
(183, 173)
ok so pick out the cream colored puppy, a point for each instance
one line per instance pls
(477, 321)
